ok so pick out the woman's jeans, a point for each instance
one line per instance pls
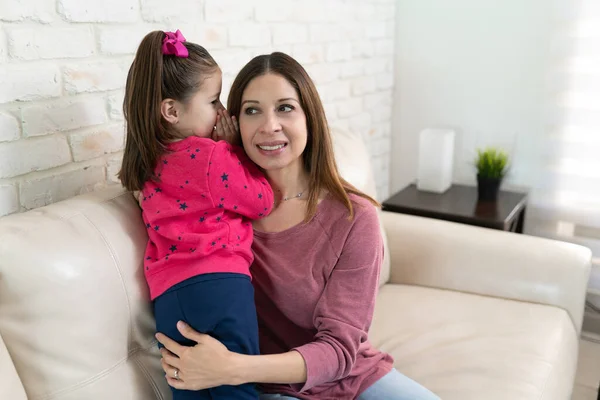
(393, 386)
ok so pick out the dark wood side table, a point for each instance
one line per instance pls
(459, 204)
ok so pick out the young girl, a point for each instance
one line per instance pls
(198, 197)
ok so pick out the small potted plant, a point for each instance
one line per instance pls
(492, 165)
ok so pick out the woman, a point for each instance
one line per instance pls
(317, 259)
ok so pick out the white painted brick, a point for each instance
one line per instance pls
(352, 68)
(375, 66)
(33, 10)
(375, 30)
(330, 111)
(289, 33)
(384, 47)
(283, 48)
(249, 35)
(231, 60)
(88, 145)
(308, 53)
(115, 106)
(171, 10)
(320, 33)
(363, 48)
(114, 39)
(386, 12)
(209, 36)
(63, 115)
(379, 146)
(384, 129)
(310, 11)
(9, 128)
(219, 11)
(30, 43)
(385, 80)
(365, 11)
(339, 52)
(113, 166)
(274, 11)
(361, 123)
(24, 156)
(364, 84)
(376, 100)
(383, 113)
(339, 90)
(50, 188)
(343, 124)
(25, 82)
(349, 107)
(99, 11)
(94, 77)
(9, 201)
(323, 73)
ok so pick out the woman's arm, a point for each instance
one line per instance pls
(210, 364)
(271, 368)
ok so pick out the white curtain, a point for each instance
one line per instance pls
(566, 201)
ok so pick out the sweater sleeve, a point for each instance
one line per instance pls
(236, 184)
(344, 312)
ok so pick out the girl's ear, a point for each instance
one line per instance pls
(169, 111)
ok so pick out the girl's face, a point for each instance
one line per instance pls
(199, 115)
(272, 123)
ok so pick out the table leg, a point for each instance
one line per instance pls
(521, 220)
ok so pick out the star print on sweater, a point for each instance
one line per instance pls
(197, 212)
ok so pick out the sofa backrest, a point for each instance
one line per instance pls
(354, 164)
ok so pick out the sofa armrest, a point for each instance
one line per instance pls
(464, 258)
(10, 383)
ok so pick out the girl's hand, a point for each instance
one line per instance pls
(226, 128)
(205, 365)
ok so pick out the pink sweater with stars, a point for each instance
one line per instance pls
(198, 213)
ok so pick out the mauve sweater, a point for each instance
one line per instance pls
(315, 286)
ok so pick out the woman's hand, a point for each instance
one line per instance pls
(226, 128)
(205, 365)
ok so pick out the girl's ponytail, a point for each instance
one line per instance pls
(146, 132)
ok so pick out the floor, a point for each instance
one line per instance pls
(588, 370)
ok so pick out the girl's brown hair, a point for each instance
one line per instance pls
(152, 78)
(318, 157)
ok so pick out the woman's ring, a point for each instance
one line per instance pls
(176, 374)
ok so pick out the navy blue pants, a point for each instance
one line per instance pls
(221, 305)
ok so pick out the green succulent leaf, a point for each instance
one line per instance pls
(491, 163)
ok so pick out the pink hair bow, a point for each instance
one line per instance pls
(173, 45)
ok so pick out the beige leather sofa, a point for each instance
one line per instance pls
(470, 313)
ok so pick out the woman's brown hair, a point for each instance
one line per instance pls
(152, 78)
(318, 157)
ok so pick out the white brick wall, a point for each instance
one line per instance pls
(63, 65)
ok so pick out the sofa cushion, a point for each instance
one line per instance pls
(354, 163)
(74, 309)
(464, 346)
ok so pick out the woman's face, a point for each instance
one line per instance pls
(272, 123)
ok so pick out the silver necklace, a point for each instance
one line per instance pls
(297, 196)
(294, 197)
